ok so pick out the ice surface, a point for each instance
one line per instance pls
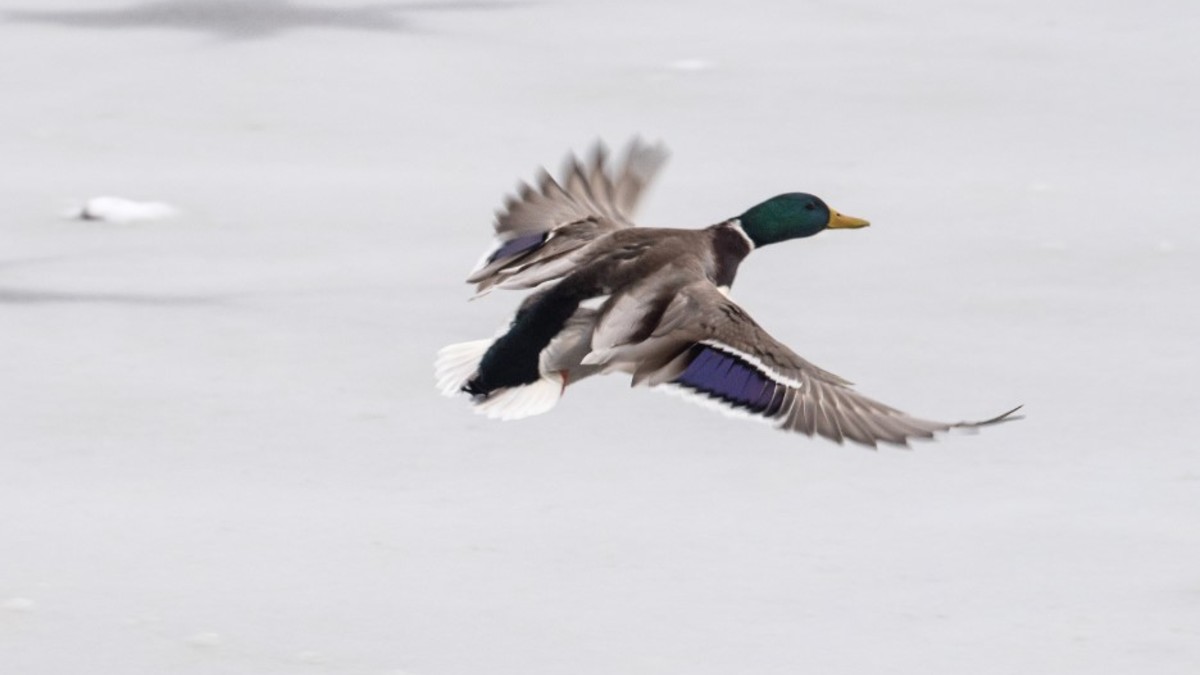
(226, 422)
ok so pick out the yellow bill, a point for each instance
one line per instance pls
(838, 221)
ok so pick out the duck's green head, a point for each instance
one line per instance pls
(790, 216)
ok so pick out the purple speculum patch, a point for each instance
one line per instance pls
(731, 379)
(517, 246)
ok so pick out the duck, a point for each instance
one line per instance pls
(606, 296)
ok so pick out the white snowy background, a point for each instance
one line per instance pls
(221, 450)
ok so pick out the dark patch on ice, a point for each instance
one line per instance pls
(246, 19)
(29, 296)
(31, 260)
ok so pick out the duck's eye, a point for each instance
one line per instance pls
(810, 206)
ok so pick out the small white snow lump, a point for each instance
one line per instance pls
(204, 640)
(19, 605)
(691, 65)
(121, 210)
(311, 657)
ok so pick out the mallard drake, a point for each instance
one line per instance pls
(654, 303)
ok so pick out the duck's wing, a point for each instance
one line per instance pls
(723, 358)
(540, 227)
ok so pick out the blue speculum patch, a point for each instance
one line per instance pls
(733, 380)
(517, 246)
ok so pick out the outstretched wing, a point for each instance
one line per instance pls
(542, 226)
(729, 360)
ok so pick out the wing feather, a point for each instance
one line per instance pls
(728, 343)
(592, 199)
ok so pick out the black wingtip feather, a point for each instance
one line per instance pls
(1004, 417)
(998, 419)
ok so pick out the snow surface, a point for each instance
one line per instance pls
(221, 449)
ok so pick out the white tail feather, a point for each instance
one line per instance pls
(456, 364)
(513, 403)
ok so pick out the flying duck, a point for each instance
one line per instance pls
(654, 303)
